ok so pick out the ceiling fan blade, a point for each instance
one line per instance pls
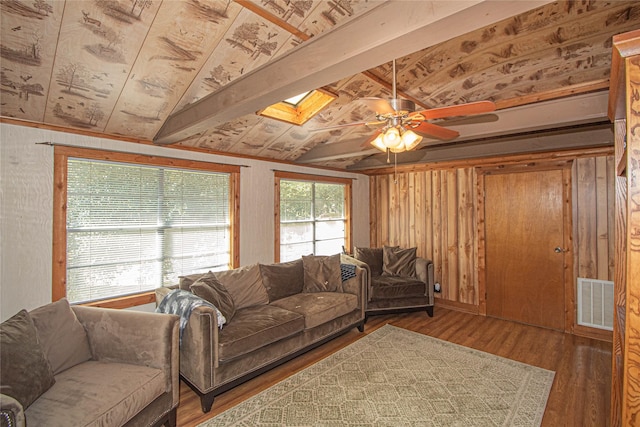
(458, 110)
(435, 131)
(379, 105)
(346, 125)
(470, 120)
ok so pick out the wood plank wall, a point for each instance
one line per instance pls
(436, 211)
(594, 221)
(620, 280)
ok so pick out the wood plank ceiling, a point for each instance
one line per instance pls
(123, 67)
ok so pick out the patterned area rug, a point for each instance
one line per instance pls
(395, 377)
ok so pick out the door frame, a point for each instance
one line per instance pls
(567, 212)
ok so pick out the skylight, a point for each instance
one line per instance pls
(294, 100)
(299, 109)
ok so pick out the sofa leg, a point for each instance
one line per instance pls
(430, 311)
(361, 327)
(206, 401)
(172, 418)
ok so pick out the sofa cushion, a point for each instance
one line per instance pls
(255, 327)
(25, 372)
(245, 286)
(98, 394)
(61, 335)
(319, 307)
(389, 287)
(399, 262)
(370, 256)
(322, 273)
(209, 288)
(282, 279)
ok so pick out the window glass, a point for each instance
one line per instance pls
(312, 218)
(132, 228)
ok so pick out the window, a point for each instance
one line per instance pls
(132, 227)
(312, 215)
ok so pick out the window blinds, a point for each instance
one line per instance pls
(133, 228)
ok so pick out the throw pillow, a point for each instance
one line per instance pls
(244, 285)
(322, 273)
(188, 280)
(282, 279)
(372, 257)
(63, 339)
(399, 262)
(209, 288)
(347, 271)
(25, 372)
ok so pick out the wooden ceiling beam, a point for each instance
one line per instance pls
(554, 141)
(563, 112)
(385, 32)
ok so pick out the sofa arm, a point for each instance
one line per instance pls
(363, 273)
(425, 273)
(162, 292)
(134, 337)
(199, 350)
(11, 412)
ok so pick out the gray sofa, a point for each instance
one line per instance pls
(80, 366)
(273, 312)
(398, 280)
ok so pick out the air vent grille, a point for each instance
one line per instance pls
(595, 303)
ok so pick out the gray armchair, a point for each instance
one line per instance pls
(398, 280)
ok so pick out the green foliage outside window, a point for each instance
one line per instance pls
(312, 218)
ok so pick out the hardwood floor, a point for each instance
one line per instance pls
(580, 395)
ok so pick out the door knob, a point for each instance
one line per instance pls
(558, 250)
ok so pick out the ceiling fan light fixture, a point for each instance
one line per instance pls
(379, 143)
(396, 139)
(392, 138)
(410, 140)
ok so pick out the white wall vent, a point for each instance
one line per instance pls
(595, 303)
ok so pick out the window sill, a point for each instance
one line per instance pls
(124, 302)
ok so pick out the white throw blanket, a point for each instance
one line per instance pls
(182, 303)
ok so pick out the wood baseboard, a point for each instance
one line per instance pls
(458, 306)
(578, 330)
(594, 333)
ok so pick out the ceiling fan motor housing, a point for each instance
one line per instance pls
(402, 106)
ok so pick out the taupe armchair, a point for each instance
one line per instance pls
(398, 280)
(66, 366)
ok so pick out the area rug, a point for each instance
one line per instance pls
(395, 377)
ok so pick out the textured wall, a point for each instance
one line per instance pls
(26, 177)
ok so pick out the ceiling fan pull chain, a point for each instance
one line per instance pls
(395, 168)
(388, 158)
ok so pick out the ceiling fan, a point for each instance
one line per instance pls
(404, 127)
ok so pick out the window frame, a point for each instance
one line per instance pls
(347, 182)
(61, 156)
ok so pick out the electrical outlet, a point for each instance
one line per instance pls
(437, 287)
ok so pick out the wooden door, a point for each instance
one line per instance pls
(524, 223)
